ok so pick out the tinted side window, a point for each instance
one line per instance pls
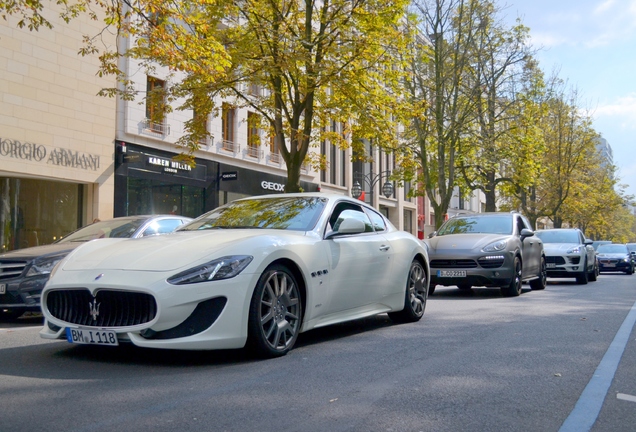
(346, 209)
(162, 227)
(377, 221)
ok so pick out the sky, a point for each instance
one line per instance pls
(592, 45)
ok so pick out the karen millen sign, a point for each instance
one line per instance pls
(55, 156)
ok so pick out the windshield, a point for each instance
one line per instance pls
(289, 213)
(559, 236)
(482, 224)
(120, 228)
(612, 248)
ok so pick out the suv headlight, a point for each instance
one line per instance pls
(574, 250)
(45, 265)
(222, 268)
(497, 246)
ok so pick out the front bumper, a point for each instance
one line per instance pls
(489, 270)
(564, 266)
(23, 293)
(203, 316)
(614, 265)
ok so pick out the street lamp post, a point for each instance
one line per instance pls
(371, 180)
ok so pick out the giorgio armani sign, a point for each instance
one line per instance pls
(52, 156)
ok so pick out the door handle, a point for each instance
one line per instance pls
(385, 248)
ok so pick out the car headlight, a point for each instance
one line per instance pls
(44, 266)
(497, 246)
(222, 268)
(575, 250)
(627, 259)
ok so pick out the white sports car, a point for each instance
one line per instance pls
(257, 272)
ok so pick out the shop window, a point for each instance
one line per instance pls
(408, 221)
(38, 212)
(146, 196)
(155, 105)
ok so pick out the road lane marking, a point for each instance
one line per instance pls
(626, 397)
(589, 405)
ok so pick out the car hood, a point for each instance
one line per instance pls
(172, 251)
(559, 247)
(612, 255)
(41, 251)
(459, 242)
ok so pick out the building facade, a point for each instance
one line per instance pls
(68, 156)
(56, 134)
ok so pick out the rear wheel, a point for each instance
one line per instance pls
(540, 282)
(513, 289)
(415, 296)
(593, 275)
(275, 313)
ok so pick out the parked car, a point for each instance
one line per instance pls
(615, 258)
(569, 254)
(23, 272)
(257, 272)
(631, 247)
(487, 249)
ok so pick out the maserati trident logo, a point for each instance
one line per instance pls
(93, 308)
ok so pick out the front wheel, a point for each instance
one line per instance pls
(415, 296)
(581, 279)
(513, 289)
(275, 313)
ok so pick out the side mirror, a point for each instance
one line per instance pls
(526, 233)
(588, 242)
(433, 234)
(349, 226)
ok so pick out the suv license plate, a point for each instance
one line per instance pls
(451, 273)
(91, 337)
(3, 288)
(550, 265)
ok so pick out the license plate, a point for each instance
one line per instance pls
(550, 265)
(3, 288)
(451, 273)
(91, 337)
(609, 265)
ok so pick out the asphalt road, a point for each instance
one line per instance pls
(476, 362)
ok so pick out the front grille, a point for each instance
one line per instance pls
(109, 308)
(11, 269)
(608, 261)
(457, 263)
(555, 260)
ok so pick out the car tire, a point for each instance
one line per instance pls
(275, 313)
(581, 279)
(540, 283)
(593, 275)
(415, 296)
(513, 289)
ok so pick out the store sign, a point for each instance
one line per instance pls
(232, 175)
(278, 187)
(169, 165)
(53, 156)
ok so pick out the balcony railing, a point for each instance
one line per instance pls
(275, 158)
(230, 146)
(160, 128)
(254, 152)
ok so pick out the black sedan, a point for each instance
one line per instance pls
(614, 258)
(24, 272)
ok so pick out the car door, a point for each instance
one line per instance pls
(359, 263)
(531, 249)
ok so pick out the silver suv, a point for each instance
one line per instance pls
(569, 254)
